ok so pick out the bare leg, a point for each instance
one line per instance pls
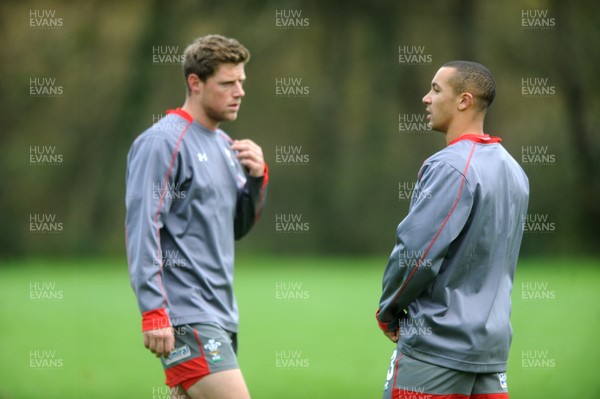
(178, 393)
(228, 384)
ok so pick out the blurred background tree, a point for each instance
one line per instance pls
(347, 123)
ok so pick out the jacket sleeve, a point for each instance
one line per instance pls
(440, 206)
(251, 200)
(150, 165)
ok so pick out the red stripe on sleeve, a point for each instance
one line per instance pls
(383, 326)
(262, 192)
(160, 202)
(437, 234)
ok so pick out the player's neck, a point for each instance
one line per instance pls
(460, 129)
(198, 114)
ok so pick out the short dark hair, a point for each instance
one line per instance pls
(206, 53)
(473, 78)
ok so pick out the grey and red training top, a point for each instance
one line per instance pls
(455, 256)
(188, 198)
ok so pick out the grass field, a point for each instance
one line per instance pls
(72, 329)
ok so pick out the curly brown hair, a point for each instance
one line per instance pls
(206, 53)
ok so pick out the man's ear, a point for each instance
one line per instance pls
(195, 85)
(465, 101)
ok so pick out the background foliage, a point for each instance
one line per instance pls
(356, 159)
(347, 54)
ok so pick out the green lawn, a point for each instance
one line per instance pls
(72, 329)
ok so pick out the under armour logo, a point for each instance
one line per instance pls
(202, 157)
